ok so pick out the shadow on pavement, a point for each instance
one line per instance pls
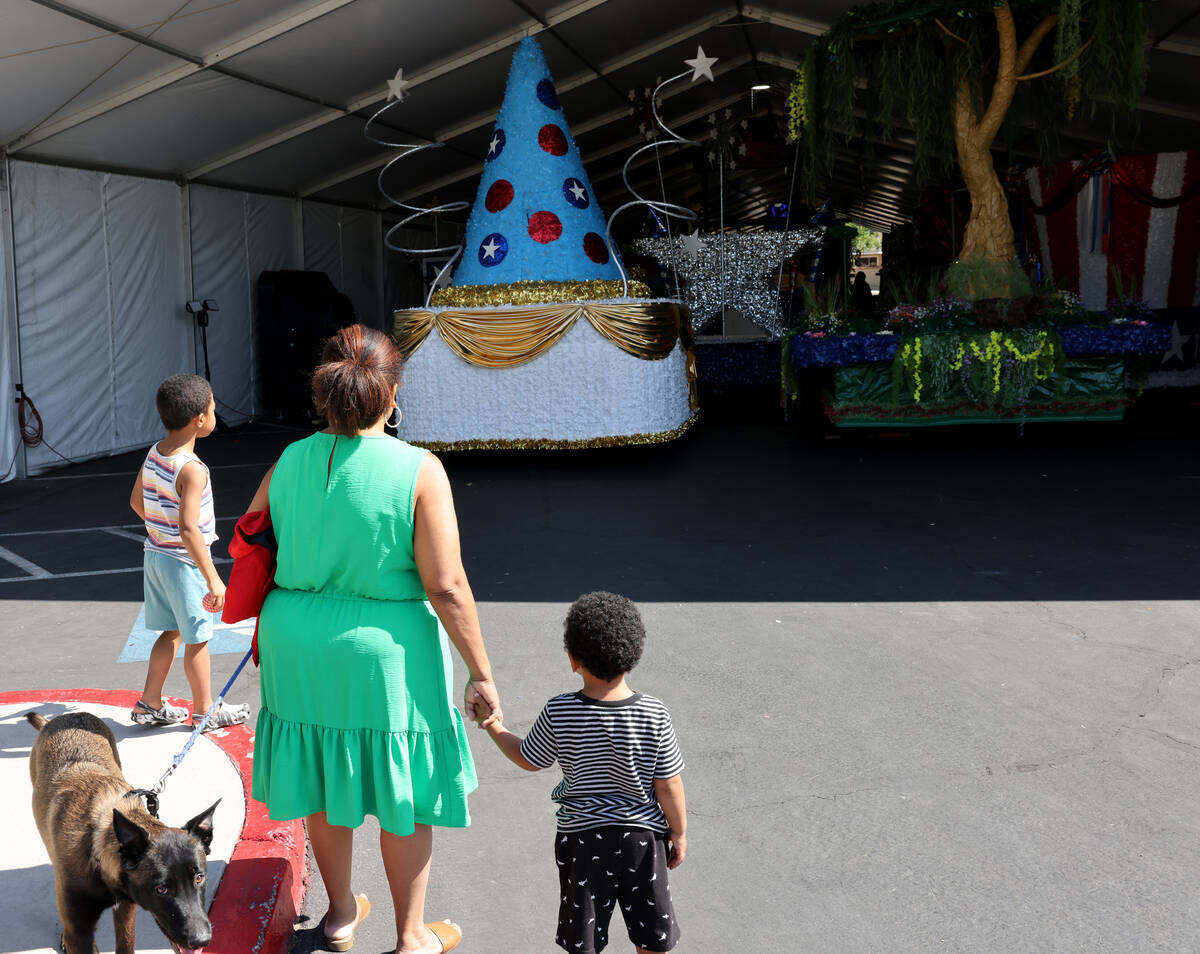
(746, 508)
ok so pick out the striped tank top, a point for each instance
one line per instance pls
(161, 500)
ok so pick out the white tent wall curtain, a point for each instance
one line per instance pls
(100, 284)
(236, 236)
(347, 245)
(100, 272)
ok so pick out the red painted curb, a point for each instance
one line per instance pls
(264, 883)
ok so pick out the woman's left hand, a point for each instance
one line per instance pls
(481, 693)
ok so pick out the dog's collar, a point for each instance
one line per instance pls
(150, 797)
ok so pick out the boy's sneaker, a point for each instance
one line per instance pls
(225, 716)
(142, 714)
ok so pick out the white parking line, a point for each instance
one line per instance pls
(35, 572)
(127, 534)
(47, 575)
(120, 526)
(132, 473)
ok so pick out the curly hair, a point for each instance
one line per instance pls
(180, 398)
(352, 386)
(604, 632)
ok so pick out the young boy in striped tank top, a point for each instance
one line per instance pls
(622, 822)
(173, 495)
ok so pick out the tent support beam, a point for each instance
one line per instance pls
(448, 65)
(785, 20)
(192, 64)
(483, 119)
(676, 122)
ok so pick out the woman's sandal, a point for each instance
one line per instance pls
(345, 943)
(445, 932)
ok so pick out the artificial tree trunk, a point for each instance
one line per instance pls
(987, 264)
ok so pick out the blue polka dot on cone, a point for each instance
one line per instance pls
(535, 216)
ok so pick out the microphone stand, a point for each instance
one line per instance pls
(202, 323)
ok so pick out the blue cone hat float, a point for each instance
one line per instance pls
(533, 344)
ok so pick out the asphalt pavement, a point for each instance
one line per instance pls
(935, 691)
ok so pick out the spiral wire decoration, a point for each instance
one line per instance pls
(415, 212)
(668, 210)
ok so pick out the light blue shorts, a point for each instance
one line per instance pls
(175, 593)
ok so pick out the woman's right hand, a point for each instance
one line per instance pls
(481, 693)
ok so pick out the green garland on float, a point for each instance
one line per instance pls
(996, 367)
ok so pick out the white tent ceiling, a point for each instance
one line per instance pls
(272, 95)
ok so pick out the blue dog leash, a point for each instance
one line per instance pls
(151, 794)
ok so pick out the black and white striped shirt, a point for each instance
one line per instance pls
(610, 754)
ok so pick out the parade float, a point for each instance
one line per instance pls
(540, 340)
(1061, 328)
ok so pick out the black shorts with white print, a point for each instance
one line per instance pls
(601, 869)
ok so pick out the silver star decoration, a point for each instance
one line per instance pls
(752, 261)
(702, 65)
(397, 86)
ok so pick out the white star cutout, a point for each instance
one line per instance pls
(577, 191)
(690, 245)
(702, 65)
(1178, 340)
(493, 144)
(397, 86)
(490, 249)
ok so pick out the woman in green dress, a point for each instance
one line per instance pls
(357, 713)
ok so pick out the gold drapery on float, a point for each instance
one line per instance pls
(503, 337)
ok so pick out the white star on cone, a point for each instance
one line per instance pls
(397, 86)
(702, 65)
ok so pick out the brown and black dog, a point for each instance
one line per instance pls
(107, 850)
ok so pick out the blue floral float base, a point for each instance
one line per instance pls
(810, 350)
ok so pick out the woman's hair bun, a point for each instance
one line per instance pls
(352, 386)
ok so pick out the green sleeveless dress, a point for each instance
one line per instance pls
(357, 713)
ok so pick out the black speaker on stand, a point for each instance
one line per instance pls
(297, 311)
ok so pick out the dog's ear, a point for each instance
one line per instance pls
(202, 826)
(132, 839)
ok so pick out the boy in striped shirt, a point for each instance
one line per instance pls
(173, 496)
(622, 822)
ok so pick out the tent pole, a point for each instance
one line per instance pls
(8, 251)
(185, 200)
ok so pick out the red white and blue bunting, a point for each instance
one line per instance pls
(1104, 228)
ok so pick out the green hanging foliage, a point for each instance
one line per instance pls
(1067, 50)
(895, 67)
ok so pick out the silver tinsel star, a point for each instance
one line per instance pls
(752, 262)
